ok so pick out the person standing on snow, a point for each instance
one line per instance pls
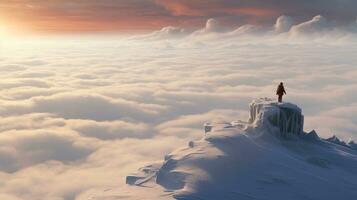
(280, 92)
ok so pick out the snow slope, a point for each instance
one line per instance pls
(268, 157)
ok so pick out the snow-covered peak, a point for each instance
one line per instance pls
(311, 136)
(335, 140)
(234, 161)
(267, 116)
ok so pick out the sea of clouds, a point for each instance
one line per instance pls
(80, 113)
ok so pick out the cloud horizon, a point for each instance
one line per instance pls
(97, 108)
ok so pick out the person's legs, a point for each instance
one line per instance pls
(280, 99)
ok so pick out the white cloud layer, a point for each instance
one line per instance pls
(314, 28)
(315, 25)
(283, 24)
(78, 114)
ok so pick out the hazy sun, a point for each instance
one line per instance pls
(3, 31)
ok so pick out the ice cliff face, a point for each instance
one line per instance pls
(284, 119)
(268, 157)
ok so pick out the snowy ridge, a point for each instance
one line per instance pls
(268, 157)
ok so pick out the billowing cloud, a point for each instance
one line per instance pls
(317, 27)
(85, 107)
(168, 32)
(111, 130)
(212, 26)
(283, 24)
(21, 149)
(190, 126)
(316, 24)
(247, 29)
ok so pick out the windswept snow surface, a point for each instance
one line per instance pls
(269, 157)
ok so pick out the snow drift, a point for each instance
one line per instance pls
(268, 157)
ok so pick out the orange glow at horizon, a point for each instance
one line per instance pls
(92, 16)
(44, 22)
(34, 25)
(64, 17)
(58, 17)
(180, 9)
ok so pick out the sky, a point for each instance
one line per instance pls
(80, 112)
(88, 16)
